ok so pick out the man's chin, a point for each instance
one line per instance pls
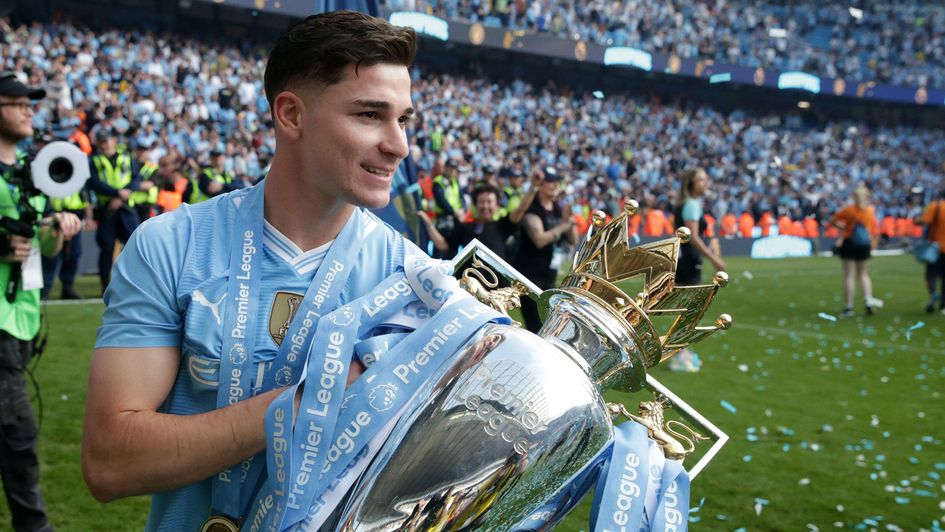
(375, 202)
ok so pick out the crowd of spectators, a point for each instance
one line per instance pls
(189, 97)
(900, 43)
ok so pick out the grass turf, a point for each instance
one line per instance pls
(845, 414)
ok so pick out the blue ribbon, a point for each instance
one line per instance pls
(619, 498)
(333, 426)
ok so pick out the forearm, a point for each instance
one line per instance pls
(516, 215)
(135, 452)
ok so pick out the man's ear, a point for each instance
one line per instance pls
(287, 111)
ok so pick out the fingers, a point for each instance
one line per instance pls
(20, 248)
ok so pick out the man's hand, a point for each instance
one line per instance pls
(115, 203)
(67, 224)
(124, 194)
(20, 248)
(145, 186)
(214, 187)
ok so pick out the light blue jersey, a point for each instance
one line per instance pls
(168, 288)
(691, 210)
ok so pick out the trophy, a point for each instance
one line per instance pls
(516, 417)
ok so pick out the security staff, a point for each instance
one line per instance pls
(20, 310)
(173, 188)
(448, 205)
(215, 180)
(113, 180)
(144, 199)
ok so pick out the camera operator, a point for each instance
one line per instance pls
(20, 315)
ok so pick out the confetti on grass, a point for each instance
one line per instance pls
(825, 316)
(728, 406)
(915, 327)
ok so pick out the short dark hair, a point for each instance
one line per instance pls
(318, 48)
(484, 188)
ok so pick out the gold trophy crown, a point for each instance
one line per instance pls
(663, 317)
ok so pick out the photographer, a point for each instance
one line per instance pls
(20, 314)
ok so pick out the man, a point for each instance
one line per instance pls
(173, 188)
(339, 93)
(448, 204)
(215, 180)
(547, 223)
(113, 179)
(20, 310)
(145, 198)
(491, 231)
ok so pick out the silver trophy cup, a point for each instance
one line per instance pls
(506, 426)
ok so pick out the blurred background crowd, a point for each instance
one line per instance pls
(185, 99)
(902, 43)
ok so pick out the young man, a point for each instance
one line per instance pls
(19, 310)
(181, 306)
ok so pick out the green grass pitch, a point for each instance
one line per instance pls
(837, 424)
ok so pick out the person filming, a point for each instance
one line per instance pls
(28, 227)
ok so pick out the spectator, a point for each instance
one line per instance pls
(859, 227)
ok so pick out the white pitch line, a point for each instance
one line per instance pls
(65, 302)
(857, 341)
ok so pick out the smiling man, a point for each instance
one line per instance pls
(212, 308)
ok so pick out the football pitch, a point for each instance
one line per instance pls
(834, 423)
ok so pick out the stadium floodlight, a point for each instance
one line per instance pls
(625, 55)
(856, 13)
(777, 33)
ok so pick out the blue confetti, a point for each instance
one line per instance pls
(880, 457)
(728, 406)
(751, 437)
(918, 325)
(763, 502)
(721, 517)
(786, 447)
(747, 458)
(924, 493)
(902, 500)
(940, 466)
(913, 460)
(825, 316)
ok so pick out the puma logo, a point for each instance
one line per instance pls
(213, 306)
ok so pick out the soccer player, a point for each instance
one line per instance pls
(192, 282)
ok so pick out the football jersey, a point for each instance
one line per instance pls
(168, 289)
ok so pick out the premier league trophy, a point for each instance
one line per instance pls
(517, 419)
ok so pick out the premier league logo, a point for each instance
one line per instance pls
(343, 316)
(237, 353)
(382, 397)
(283, 376)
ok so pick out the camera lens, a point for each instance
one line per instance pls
(60, 169)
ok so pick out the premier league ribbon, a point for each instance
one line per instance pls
(232, 489)
(334, 427)
(639, 488)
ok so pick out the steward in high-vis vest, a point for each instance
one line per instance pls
(144, 200)
(114, 178)
(448, 205)
(215, 180)
(173, 188)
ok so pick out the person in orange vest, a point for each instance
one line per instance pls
(887, 227)
(173, 187)
(746, 225)
(729, 225)
(655, 222)
(765, 223)
(709, 225)
(785, 225)
(811, 227)
(904, 227)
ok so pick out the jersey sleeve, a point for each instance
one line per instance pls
(691, 211)
(141, 304)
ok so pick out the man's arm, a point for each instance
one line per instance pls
(540, 237)
(439, 241)
(128, 448)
